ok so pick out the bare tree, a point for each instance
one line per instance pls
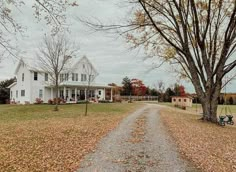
(54, 56)
(160, 87)
(198, 36)
(52, 11)
(89, 76)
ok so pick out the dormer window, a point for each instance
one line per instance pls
(35, 76)
(83, 66)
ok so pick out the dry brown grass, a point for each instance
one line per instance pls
(208, 146)
(55, 143)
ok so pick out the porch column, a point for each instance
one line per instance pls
(64, 93)
(85, 94)
(111, 95)
(69, 93)
(76, 94)
(104, 93)
(96, 94)
(51, 93)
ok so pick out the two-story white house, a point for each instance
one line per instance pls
(33, 83)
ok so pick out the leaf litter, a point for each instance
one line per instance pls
(209, 146)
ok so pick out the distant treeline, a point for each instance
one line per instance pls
(4, 91)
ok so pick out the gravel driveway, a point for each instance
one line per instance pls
(155, 152)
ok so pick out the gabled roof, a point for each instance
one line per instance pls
(18, 66)
(84, 58)
(32, 64)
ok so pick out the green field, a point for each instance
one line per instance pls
(30, 112)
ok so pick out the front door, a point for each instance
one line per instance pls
(82, 95)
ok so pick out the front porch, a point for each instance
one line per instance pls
(74, 94)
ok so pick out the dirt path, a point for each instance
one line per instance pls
(140, 143)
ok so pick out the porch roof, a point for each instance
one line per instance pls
(13, 84)
(82, 84)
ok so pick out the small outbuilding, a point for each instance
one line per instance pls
(182, 101)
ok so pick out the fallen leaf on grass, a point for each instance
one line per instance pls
(208, 146)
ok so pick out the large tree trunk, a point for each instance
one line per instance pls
(209, 108)
(210, 102)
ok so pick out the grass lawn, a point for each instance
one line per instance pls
(208, 146)
(35, 138)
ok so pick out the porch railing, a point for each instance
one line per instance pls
(140, 98)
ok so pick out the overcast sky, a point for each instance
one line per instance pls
(110, 54)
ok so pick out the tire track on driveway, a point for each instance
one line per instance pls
(156, 152)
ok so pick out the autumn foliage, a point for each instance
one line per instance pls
(138, 88)
(182, 90)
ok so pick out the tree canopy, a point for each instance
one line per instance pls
(52, 11)
(196, 35)
(127, 86)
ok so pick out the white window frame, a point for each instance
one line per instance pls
(91, 78)
(35, 76)
(83, 77)
(46, 77)
(61, 76)
(21, 93)
(76, 77)
(40, 93)
(66, 76)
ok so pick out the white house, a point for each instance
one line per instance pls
(33, 83)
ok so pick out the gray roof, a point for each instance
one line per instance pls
(33, 64)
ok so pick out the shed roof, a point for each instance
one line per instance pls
(182, 97)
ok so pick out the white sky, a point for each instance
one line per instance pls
(110, 54)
